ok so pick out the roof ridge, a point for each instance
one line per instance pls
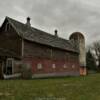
(9, 18)
(35, 28)
(35, 35)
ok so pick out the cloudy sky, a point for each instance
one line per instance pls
(65, 15)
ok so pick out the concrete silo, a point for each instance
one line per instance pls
(79, 40)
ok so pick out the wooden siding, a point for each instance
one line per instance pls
(36, 50)
(9, 40)
(35, 54)
(47, 66)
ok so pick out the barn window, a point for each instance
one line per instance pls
(9, 66)
(73, 66)
(39, 66)
(53, 66)
(65, 66)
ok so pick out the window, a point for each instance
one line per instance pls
(65, 66)
(53, 66)
(73, 66)
(39, 66)
(9, 66)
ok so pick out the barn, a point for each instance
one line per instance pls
(46, 55)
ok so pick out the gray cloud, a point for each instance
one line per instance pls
(65, 15)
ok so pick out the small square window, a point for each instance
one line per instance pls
(53, 66)
(39, 66)
(73, 66)
(65, 66)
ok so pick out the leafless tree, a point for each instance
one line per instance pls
(96, 52)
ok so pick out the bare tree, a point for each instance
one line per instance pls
(96, 52)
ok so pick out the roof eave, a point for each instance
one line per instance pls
(76, 51)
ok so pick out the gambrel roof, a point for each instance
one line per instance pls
(35, 35)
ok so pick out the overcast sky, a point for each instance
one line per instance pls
(67, 16)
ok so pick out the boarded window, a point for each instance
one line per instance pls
(73, 66)
(53, 66)
(65, 66)
(39, 66)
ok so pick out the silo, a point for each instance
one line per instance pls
(79, 39)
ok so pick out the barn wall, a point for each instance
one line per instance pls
(17, 66)
(36, 50)
(35, 54)
(9, 40)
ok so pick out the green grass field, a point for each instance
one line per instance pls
(67, 88)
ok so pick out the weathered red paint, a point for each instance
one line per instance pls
(47, 65)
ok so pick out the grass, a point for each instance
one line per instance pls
(66, 88)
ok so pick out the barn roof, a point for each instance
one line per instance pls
(35, 35)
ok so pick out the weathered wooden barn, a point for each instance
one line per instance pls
(45, 54)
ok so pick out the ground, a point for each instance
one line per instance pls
(66, 88)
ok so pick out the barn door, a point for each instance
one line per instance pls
(1, 70)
